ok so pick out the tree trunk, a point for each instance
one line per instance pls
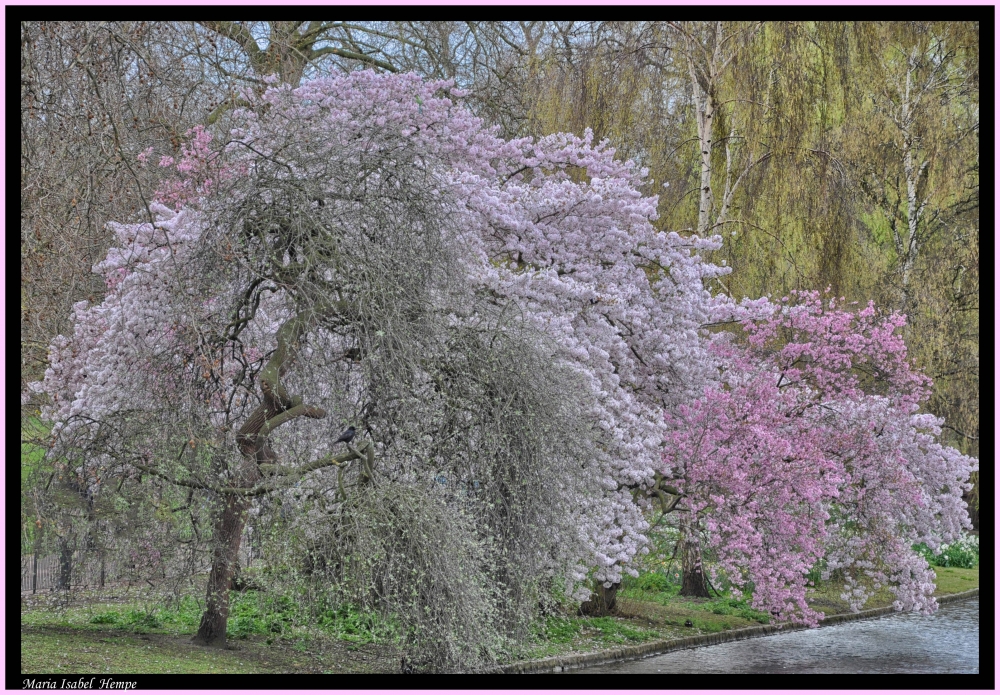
(228, 532)
(65, 562)
(277, 408)
(692, 570)
(602, 601)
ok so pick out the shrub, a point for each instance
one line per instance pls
(962, 553)
(105, 618)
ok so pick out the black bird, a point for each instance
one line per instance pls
(347, 436)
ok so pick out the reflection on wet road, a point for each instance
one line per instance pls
(945, 642)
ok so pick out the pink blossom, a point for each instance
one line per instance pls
(807, 450)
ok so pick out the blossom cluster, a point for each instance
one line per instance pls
(810, 449)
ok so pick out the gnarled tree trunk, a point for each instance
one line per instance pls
(227, 534)
(277, 408)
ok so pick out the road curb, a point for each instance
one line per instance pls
(558, 664)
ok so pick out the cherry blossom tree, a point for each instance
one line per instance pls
(810, 448)
(499, 319)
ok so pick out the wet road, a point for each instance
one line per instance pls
(946, 642)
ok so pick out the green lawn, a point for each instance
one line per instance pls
(142, 637)
(953, 580)
(950, 580)
(146, 635)
(659, 613)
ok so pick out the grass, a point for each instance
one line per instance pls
(271, 635)
(68, 650)
(32, 453)
(650, 606)
(648, 609)
(825, 596)
(563, 634)
(952, 580)
(251, 613)
(52, 649)
(266, 635)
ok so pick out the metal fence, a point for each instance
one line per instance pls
(86, 570)
(89, 569)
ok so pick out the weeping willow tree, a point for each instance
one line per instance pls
(738, 124)
(735, 121)
(912, 142)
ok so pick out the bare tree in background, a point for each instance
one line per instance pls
(95, 94)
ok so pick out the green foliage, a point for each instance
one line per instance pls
(135, 619)
(182, 614)
(616, 631)
(352, 624)
(809, 111)
(140, 620)
(738, 607)
(559, 630)
(663, 589)
(655, 581)
(815, 574)
(962, 553)
(105, 618)
(606, 630)
(257, 613)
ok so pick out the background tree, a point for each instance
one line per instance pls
(917, 162)
(96, 94)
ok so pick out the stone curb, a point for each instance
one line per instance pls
(557, 664)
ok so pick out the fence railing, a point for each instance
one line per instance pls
(89, 569)
(45, 572)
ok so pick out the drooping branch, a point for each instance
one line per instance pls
(196, 484)
(967, 436)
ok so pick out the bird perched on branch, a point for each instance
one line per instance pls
(347, 436)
